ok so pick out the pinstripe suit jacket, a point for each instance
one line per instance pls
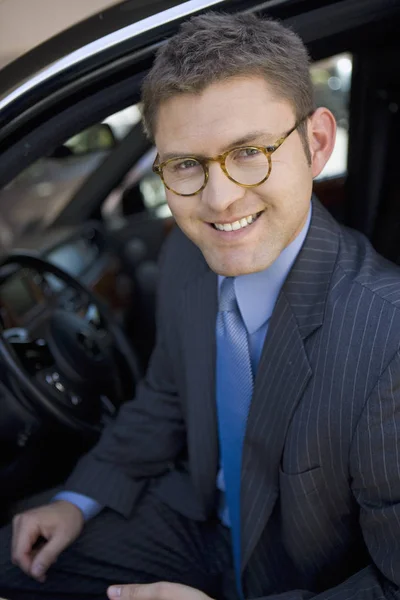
(321, 463)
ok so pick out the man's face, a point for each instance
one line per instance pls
(209, 123)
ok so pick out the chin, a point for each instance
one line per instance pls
(234, 266)
(231, 268)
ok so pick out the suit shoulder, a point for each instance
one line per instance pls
(365, 267)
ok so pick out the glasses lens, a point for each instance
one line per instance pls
(248, 166)
(184, 175)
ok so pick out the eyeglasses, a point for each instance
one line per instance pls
(248, 166)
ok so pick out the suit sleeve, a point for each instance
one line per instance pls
(375, 474)
(147, 435)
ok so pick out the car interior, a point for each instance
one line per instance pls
(83, 219)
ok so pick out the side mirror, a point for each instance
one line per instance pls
(97, 138)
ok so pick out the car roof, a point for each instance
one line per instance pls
(126, 36)
(93, 36)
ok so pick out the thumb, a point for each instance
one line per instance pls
(46, 556)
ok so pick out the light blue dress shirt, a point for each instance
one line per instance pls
(256, 295)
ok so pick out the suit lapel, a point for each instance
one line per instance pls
(283, 374)
(199, 309)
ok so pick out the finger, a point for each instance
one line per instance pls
(152, 591)
(122, 592)
(46, 556)
(25, 538)
(15, 532)
(162, 590)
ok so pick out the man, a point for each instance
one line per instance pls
(261, 454)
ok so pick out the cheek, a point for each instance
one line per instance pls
(175, 203)
(183, 209)
(290, 163)
(288, 184)
(286, 196)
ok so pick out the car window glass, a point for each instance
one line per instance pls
(39, 193)
(140, 190)
(332, 84)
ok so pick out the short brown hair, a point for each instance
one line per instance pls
(212, 47)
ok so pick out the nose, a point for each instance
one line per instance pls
(220, 192)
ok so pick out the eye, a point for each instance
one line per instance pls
(245, 153)
(184, 165)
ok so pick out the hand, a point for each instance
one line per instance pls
(155, 591)
(58, 523)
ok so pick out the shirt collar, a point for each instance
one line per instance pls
(257, 293)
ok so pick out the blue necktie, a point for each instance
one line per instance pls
(234, 389)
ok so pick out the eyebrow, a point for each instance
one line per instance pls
(252, 137)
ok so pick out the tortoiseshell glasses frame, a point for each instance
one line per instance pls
(221, 159)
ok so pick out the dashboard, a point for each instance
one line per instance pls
(24, 293)
(17, 297)
(77, 255)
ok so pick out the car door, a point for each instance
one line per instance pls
(80, 80)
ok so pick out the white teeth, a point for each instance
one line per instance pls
(237, 224)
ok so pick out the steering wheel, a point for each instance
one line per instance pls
(74, 362)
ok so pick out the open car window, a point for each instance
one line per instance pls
(332, 83)
(34, 199)
(141, 190)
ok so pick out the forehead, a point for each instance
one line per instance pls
(224, 111)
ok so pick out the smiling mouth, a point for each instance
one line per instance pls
(236, 225)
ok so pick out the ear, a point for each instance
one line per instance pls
(322, 136)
